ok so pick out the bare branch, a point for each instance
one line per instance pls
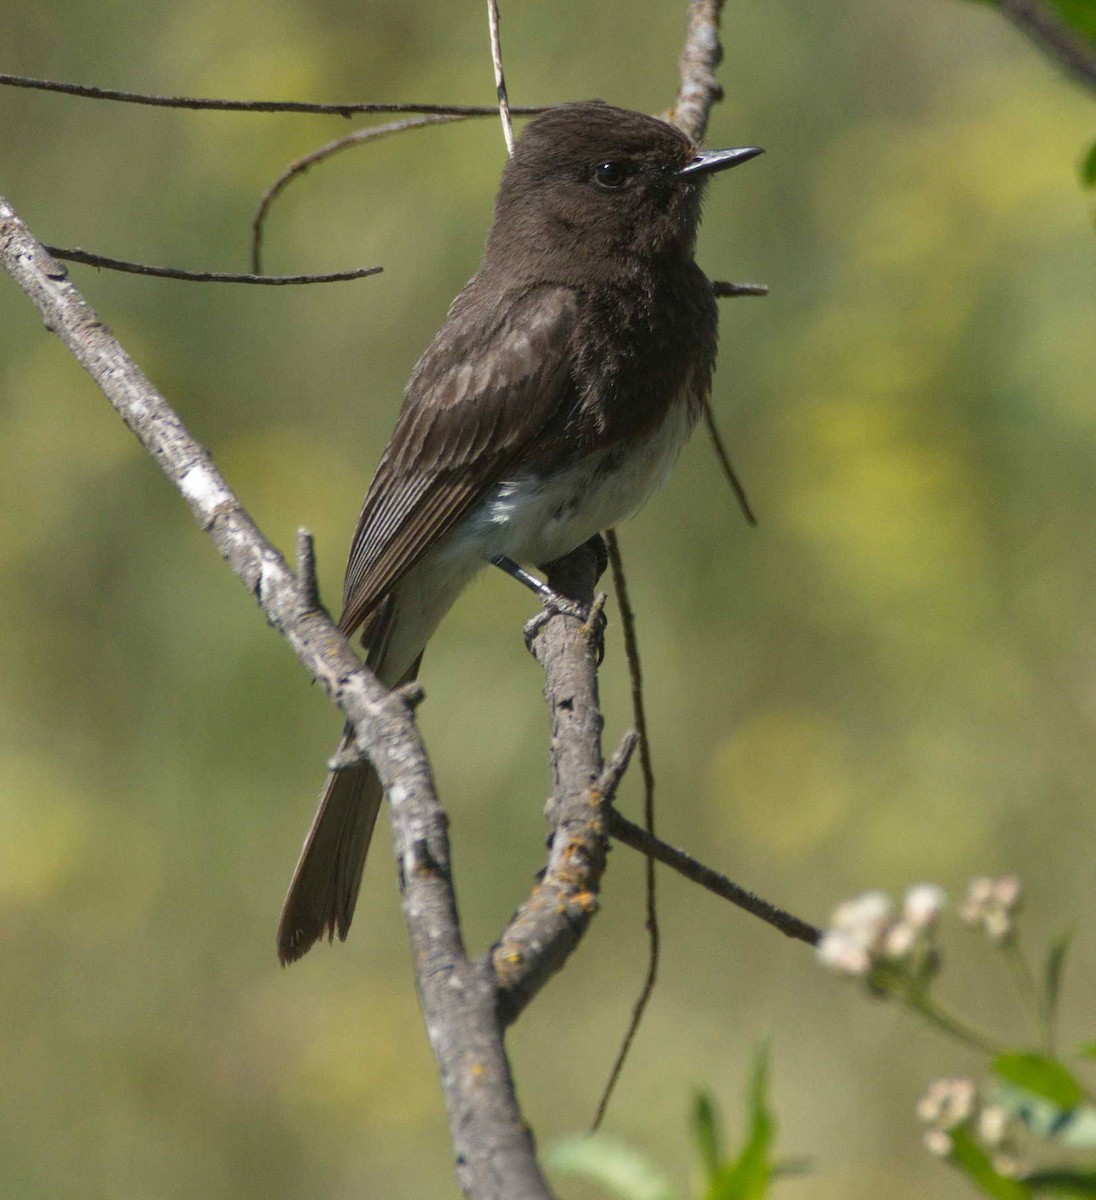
(550, 923)
(495, 1159)
(699, 89)
(684, 864)
(77, 255)
(265, 106)
(500, 76)
(1054, 37)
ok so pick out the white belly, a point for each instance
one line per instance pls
(534, 520)
(531, 520)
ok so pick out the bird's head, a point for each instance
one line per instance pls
(589, 181)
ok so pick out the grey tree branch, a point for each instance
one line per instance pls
(494, 1150)
(1054, 37)
(550, 923)
(699, 88)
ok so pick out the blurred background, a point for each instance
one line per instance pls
(892, 679)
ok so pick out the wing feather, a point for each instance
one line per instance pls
(494, 377)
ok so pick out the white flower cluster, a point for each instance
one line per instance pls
(867, 930)
(949, 1103)
(992, 905)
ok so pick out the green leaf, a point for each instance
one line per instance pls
(1087, 169)
(617, 1168)
(748, 1176)
(1056, 956)
(706, 1130)
(1042, 1076)
(1088, 1051)
(975, 1163)
(1062, 1183)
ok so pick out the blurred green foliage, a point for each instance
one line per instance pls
(894, 677)
(1080, 14)
(626, 1173)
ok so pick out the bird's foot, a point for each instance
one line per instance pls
(592, 617)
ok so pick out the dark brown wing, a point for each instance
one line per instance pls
(491, 380)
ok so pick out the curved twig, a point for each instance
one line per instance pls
(300, 165)
(77, 255)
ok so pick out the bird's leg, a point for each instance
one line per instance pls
(555, 601)
(576, 574)
(597, 547)
(548, 597)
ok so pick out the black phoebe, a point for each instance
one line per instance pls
(568, 375)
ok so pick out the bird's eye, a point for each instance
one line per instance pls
(610, 174)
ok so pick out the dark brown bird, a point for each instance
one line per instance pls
(568, 375)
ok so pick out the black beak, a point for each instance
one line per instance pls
(707, 162)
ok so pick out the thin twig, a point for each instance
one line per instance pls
(77, 255)
(266, 106)
(725, 462)
(500, 76)
(639, 715)
(300, 165)
(684, 864)
(306, 569)
(1054, 37)
(723, 289)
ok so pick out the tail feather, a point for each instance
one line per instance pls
(324, 889)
